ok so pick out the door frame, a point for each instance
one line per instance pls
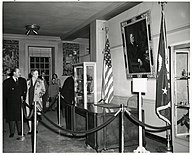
(38, 54)
(45, 45)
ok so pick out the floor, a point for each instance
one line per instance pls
(51, 140)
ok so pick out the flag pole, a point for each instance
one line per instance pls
(106, 37)
(102, 81)
(168, 131)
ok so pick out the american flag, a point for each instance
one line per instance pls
(163, 105)
(107, 82)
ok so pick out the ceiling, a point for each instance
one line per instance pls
(67, 20)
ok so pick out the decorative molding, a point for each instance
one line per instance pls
(180, 43)
(181, 28)
(30, 37)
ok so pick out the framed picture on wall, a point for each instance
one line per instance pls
(70, 57)
(137, 45)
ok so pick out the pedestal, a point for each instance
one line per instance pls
(140, 86)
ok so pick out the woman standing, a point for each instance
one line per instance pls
(35, 91)
(56, 80)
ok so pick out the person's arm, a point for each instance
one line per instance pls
(42, 91)
(24, 85)
(5, 94)
(59, 83)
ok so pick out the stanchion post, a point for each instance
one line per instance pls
(59, 110)
(22, 138)
(122, 128)
(35, 128)
(139, 85)
(22, 121)
(140, 127)
(168, 136)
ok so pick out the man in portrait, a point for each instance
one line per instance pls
(138, 60)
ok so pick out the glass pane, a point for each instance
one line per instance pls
(46, 59)
(90, 76)
(79, 86)
(182, 91)
(46, 65)
(182, 121)
(32, 59)
(181, 63)
(182, 94)
(90, 84)
(42, 66)
(79, 81)
(32, 65)
(37, 59)
(42, 59)
(46, 72)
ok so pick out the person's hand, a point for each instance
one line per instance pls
(140, 62)
(22, 99)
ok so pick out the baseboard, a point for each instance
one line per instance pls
(155, 137)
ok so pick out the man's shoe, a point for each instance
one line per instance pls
(11, 135)
(21, 138)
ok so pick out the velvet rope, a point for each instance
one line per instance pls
(25, 112)
(158, 129)
(86, 131)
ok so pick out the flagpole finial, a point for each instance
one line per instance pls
(162, 4)
(106, 32)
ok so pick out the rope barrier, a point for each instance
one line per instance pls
(122, 109)
(86, 131)
(158, 129)
(89, 131)
(25, 112)
(146, 125)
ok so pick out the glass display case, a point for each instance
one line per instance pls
(180, 78)
(85, 84)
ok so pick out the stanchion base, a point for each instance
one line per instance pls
(141, 150)
(22, 138)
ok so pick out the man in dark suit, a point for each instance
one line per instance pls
(14, 89)
(134, 55)
(67, 91)
(137, 57)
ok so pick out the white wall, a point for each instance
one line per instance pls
(177, 16)
(84, 51)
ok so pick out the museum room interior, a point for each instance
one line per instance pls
(129, 62)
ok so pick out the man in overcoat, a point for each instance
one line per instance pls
(14, 89)
(67, 91)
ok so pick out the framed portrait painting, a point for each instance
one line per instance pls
(137, 45)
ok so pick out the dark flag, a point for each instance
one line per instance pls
(107, 81)
(163, 105)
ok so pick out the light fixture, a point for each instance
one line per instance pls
(34, 28)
